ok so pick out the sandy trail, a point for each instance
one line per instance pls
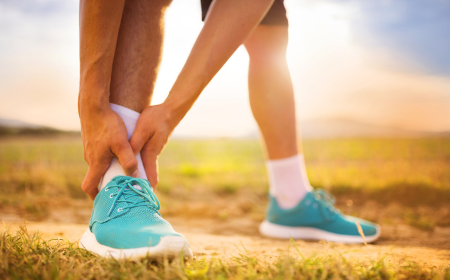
(229, 244)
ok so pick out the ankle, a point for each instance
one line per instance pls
(288, 180)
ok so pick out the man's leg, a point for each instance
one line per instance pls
(135, 68)
(138, 53)
(294, 210)
(124, 222)
(272, 102)
(270, 90)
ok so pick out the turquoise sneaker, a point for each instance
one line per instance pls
(125, 223)
(316, 218)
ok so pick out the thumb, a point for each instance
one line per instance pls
(127, 159)
(139, 138)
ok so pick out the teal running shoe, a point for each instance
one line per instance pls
(125, 223)
(315, 218)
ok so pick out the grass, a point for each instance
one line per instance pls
(40, 174)
(223, 179)
(56, 165)
(28, 256)
(419, 221)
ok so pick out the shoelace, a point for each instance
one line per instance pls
(326, 200)
(127, 191)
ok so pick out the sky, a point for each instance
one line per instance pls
(383, 62)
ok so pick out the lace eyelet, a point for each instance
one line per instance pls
(106, 189)
(110, 196)
(120, 210)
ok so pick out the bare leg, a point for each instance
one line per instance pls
(138, 53)
(270, 90)
(135, 68)
(272, 101)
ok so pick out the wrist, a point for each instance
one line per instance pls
(92, 99)
(89, 110)
(170, 114)
(175, 109)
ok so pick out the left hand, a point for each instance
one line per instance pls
(153, 129)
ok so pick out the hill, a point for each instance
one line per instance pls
(10, 127)
(348, 128)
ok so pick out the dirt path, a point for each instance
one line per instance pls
(207, 238)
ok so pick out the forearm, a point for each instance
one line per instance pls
(228, 24)
(99, 29)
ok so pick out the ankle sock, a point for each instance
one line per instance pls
(288, 180)
(130, 118)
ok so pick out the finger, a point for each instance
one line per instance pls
(149, 155)
(127, 159)
(151, 169)
(139, 137)
(92, 179)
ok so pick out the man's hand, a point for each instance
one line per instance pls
(104, 137)
(153, 129)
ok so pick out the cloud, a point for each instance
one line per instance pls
(39, 59)
(414, 31)
(336, 56)
(40, 7)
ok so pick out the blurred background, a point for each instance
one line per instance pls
(358, 64)
(372, 86)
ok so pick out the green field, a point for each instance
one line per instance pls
(37, 171)
(56, 166)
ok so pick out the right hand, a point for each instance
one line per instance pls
(104, 137)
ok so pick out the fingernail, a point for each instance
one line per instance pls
(135, 174)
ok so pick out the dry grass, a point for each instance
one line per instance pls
(28, 256)
(37, 174)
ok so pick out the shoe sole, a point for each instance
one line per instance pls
(168, 247)
(284, 232)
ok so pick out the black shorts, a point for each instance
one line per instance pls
(275, 16)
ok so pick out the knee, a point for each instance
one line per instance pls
(267, 44)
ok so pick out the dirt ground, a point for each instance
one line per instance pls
(209, 237)
(227, 237)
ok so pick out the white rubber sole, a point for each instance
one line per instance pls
(169, 247)
(284, 232)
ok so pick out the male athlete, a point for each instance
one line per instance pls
(120, 52)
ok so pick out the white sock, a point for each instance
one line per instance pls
(288, 180)
(130, 118)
